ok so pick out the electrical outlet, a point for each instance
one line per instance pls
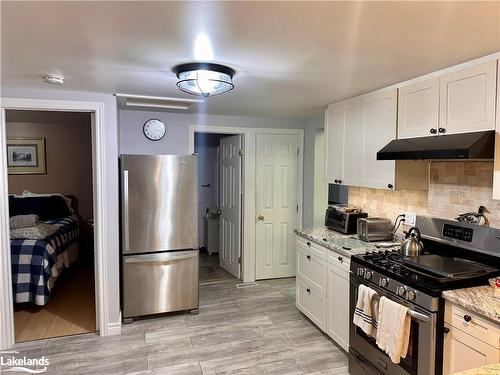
(410, 218)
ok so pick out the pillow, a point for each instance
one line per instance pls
(27, 193)
(23, 221)
(46, 207)
(37, 232)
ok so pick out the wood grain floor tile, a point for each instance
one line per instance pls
(238, 331)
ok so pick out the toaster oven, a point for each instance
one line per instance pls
(343, 221)
(374, 229)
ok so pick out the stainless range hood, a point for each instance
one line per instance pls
(477, 145)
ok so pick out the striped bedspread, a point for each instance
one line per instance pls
(35, 262)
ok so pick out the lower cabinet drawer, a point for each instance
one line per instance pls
(473, 324)
(312, 303)
(312, 269)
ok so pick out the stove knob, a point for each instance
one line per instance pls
(360, 271)
(401, 291)
(368, 274)
(411, 295)
(383, 282)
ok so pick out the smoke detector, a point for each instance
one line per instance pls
(54, 79)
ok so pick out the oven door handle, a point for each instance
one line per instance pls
(419, 316)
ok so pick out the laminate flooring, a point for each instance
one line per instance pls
(253, 330)
(70, 311)
(211, 271)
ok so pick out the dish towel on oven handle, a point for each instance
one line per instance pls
(393, 333)
(366, 311)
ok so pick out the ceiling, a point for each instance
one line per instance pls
(291, 58)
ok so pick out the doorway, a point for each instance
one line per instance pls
(101, 225)
(220, 205)
(49, 163)
(249, 170)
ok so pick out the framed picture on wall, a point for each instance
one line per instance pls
(26, 156)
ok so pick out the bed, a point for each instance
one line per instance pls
(37, 263)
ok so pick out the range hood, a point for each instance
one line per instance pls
(477, 145)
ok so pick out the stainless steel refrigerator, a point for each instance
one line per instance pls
(159, 234)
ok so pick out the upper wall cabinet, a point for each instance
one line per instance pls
(378, 125)
(418, 109)
(355, 130)
(343, 142)
(467, 99)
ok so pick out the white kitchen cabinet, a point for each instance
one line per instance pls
(467, 99)
(343, 142)
(338, 321)
(471, 340)
(334, 135)
(418, 109)
(356, 129)
(378, 126)
(496, 168)
(323, 289)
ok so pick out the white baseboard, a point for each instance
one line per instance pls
(114, 328)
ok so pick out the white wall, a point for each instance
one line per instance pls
(320, 184)
(311, 126)
(111, 171)
(132, 140)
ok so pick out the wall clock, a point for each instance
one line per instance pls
(154, 129)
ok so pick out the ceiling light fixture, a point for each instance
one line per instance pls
(204, 79)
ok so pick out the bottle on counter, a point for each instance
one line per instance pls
(497, 288)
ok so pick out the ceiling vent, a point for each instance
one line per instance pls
(152, 102)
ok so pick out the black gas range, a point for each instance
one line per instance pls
(457, 255)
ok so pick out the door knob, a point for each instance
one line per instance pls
(260, 217)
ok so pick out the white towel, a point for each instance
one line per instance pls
(393, 333)
(365, 314)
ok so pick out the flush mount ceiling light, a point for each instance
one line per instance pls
(204, 79)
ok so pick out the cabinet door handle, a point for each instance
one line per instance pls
(340, 181)
(442, 130)
(308, 243)
(308, 257)
(336, 181)
(433, 131)
(308, 290)
(446, 330)
(390, 186)
(340, 259)
(467, 318)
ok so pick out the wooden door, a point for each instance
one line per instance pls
(276, 204)
(230, 204)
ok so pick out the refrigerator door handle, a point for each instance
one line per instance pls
(126, 239)
(162, 257)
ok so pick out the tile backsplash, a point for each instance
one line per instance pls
(454, 188)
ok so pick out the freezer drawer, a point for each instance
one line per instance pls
(161, 282)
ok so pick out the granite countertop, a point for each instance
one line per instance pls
(344, 244)
(493, 369)
(479, 299)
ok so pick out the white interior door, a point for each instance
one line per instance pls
(276, 204)
(230, 204)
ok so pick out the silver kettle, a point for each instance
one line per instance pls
(412, 246)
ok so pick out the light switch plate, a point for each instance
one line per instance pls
(410, 218)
